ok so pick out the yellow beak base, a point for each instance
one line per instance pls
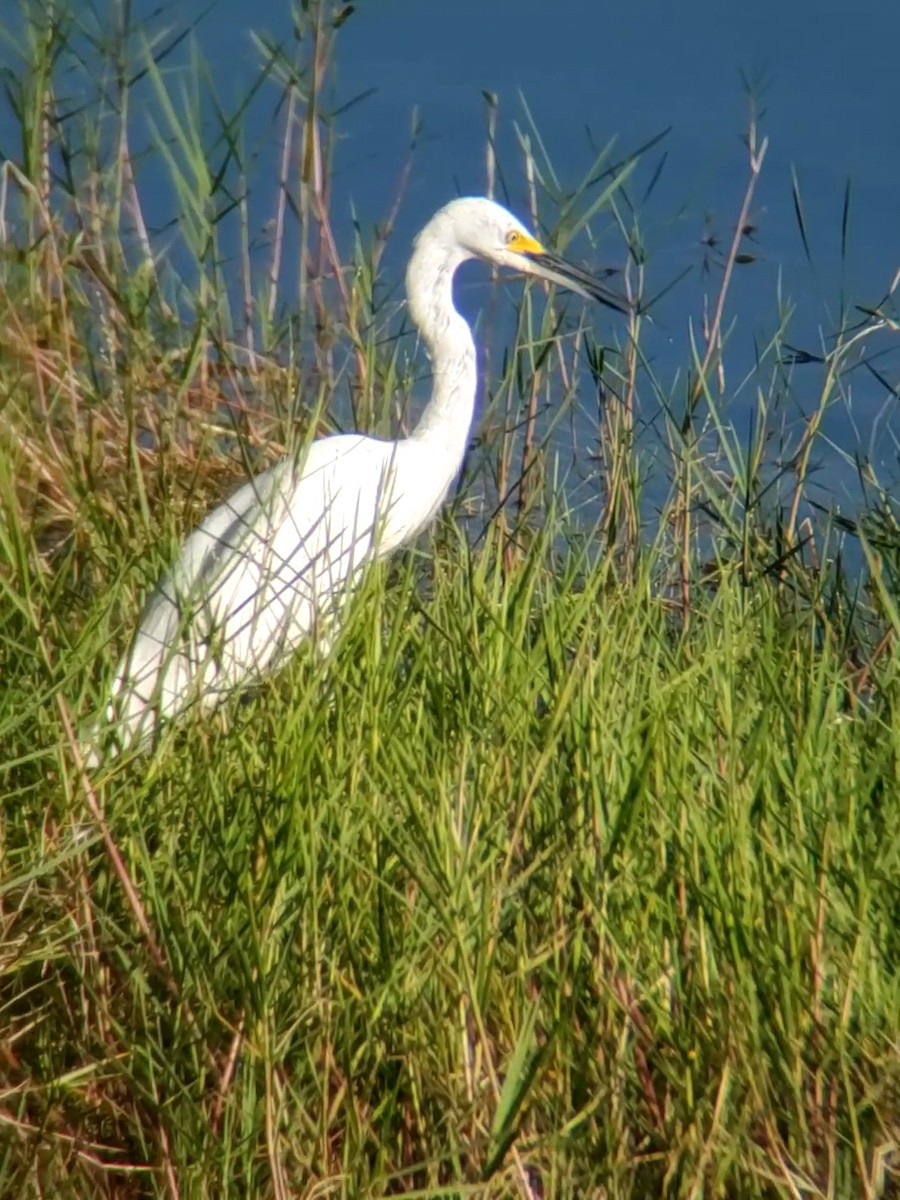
(524, 243)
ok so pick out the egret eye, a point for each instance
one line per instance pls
(512, 236)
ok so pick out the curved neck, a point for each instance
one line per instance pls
(429, 285)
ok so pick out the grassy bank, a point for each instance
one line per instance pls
(572, 872)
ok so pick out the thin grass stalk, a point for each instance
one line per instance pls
(699, 387)
(491, 103)
(835, 361)
(527, 458)
(312, 182)
(713, 339)
(277, 254)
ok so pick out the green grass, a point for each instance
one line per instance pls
(525, 884)
(573, 870)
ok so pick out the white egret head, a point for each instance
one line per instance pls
(481, 228)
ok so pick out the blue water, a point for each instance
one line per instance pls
(825, 78)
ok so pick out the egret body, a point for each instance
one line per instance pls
(271, 565)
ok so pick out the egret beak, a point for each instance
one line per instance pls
(549, 266)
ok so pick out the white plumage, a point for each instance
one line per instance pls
(272, 564)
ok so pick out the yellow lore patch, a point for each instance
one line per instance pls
(523, 243)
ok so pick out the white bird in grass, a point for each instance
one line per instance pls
(271, 565)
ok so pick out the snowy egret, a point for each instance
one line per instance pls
(270, 566)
